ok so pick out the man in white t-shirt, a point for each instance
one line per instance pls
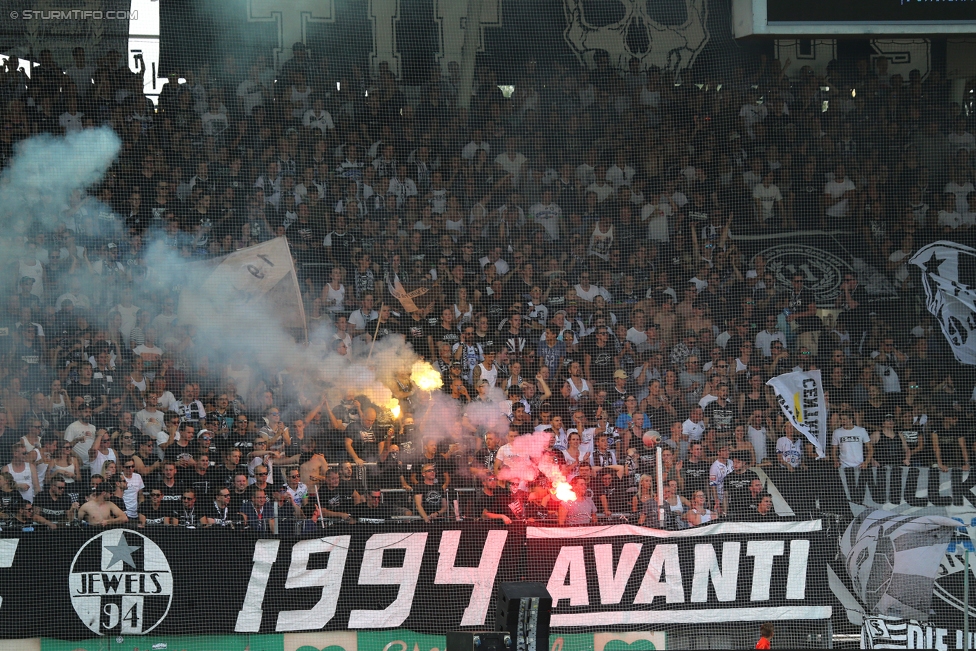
(789, 450)
(771, 333)
(547, 214)
(251, 90)
(494, 256)
(511, 161)
(837, 193)
(82, 434)
(721, 468)
(768, 198)
(848, 442)
(70, 120)
(149, 421)
(692, 430)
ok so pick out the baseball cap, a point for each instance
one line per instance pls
(752, 274)
(111, 245)
(620, 373)
(204, 434)
(24, 279)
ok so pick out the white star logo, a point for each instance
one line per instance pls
(122, 551)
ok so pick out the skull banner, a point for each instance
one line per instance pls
(949, 278)
(668, 35)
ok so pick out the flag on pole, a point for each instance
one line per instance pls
(801, 397)
(239, 286)
(397, 290)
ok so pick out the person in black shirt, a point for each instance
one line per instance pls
(720, 413)
(744, 490)
(199, 476)
(599, 354)
(166, 482)
(374, 508)
(53, 506)
(429, 496)
(695, 470)
(152, 512)
(186, 514)
(335, 502)
(218, 512)
(611, 494)
(802, 307)
(764, 509)
(119, 484)
(239, 491)
(492, 502)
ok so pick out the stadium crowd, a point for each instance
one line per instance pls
(572, 254)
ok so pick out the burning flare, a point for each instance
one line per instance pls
(394, 406)
(564, 492)
(425, 376)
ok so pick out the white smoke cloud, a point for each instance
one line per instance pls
(46, 170)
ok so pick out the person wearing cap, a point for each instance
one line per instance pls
(620, 389)
(428, 498)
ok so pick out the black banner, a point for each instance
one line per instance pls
(76, 583)
(80, 582)
(624, 575)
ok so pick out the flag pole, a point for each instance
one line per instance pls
(375, 332)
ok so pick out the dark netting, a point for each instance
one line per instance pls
(284, 267)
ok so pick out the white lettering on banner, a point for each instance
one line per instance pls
(770, 578)
(613, 584)
(765, 552)
(801, 397)
(8, 549)
(452, 16)
(663, 559)
(329, 578)
(291, 18)
(383, 17)
(706, 566)
(885, 633)
(482, 578)
(249, 617)
(705, 616)
(796, 577)
(570, 561)
(372, 572)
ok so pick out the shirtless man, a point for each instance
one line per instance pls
(312, 464)
(99, 512)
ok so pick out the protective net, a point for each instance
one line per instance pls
(318, 327)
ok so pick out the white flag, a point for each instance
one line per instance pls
(397, 290)
(801, 397)
(949, 278)
(230, 284)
